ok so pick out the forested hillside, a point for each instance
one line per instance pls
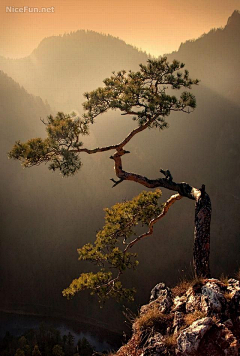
(62, 68)
(215, 58)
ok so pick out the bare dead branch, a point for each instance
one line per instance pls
(116, 182)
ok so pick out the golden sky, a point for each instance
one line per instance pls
(155, 26)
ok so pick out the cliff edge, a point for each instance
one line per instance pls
(195, 318)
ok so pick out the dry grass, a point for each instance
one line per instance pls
(184, 285)
(170, 341)
(227, 296)
(181, 288)
(224, 279)
(152, 318)
(190, 318)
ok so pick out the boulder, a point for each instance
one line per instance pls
(212, 299)
(162, 296)
(189, 339)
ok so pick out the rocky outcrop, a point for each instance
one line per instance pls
(219, 341)
(189, 339)
(196, 318)
(162, 296)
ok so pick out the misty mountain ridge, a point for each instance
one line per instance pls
(63, 67)
(19, 110)
(86, 38)
(78, 62)
(214, 58)
(234, 19)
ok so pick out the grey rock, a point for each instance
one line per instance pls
(178, 321)
(233, 284)
(154, 346)
(162, 295)
(212, 300)
(234, 288)
(189, 339)
(214, 334)
(179, 303)
(193, 301)
(158, 291)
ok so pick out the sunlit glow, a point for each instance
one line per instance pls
(155, 26)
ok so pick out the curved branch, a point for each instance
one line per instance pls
(167, 205)
(110, 284)
(119, 145)
(182, 188)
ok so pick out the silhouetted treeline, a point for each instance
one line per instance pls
(44, 341)
(74, 63)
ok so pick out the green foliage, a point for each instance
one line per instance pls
(22, 342)
(120, 225)
(69, 345)
(59, 148)
(84, 347)
(46, 341)
(36, 351)
(143, 93)
(140, 94)
(19, 352)
(57, 350)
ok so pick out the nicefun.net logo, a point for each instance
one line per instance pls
(28, 9)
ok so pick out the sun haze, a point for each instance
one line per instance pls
(155, 26)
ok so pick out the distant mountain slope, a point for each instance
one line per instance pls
(40, 216)
(20, 115)
(62, 68)
(214, 58)
(19, 111)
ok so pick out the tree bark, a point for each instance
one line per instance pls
(201, 249)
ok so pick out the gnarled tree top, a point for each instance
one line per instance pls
(141, 94)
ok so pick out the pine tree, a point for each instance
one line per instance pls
(84, 347)
(143, 96)
(19, 352)
(36, 351)
(57, 350)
